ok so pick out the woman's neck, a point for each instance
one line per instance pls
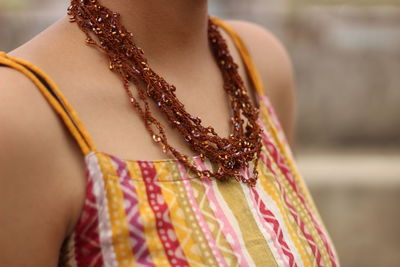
(164, 25)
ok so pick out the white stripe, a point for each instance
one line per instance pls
(270, 203)
(263, 226)
(105, 232)
(231, 218)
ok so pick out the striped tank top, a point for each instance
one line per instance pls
(156, 213)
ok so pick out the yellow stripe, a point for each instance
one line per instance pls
(287, 155)
(156, 250)
(183, 230)
(204, 205)
(266, 181)
(116, 212)
(302, 212)
(254, 241)
(281, 145)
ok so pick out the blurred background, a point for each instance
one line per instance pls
(346, 57)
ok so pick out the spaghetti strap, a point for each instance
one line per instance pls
(245, 55)
(55, 98)
(63, 108)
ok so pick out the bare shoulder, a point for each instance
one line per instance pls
(34, 200)
(22, 112)
(28, 125)
(275, 67)
(268, 52)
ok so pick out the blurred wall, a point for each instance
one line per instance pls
(20, 20)
(347, 63)
(346, 59)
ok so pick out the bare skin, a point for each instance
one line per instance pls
(42, 172)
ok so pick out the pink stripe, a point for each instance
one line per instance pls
(310, 240)
(164, 225)
(199, 216)
(280, 161)
(276, 233)
(273, 116)
(105, 232)
(136, 228)
(86, 236)
(282, 164)
(236, 244)
(272, 206)
(258, 206)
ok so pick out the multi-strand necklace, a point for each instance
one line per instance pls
(232, 154)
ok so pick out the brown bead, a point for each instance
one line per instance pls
(127, 60)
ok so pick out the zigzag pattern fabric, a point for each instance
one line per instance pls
(156, 213)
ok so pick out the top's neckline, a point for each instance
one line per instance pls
(165, 161)
(59, 102)
(170, 160)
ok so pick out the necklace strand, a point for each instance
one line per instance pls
(231, 154)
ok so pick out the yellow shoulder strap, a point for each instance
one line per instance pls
(245, 55)
(61, 105)
(55, 98)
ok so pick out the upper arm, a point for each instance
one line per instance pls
(276, 70)
(33, 215)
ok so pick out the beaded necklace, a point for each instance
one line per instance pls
(103, 30)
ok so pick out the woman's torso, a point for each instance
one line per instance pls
(153, 212)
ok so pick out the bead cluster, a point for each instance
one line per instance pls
(231, 154)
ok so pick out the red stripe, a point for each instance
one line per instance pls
(282, 164)
(165, 229)
(269, 217)
(300, 223)
(87, 241)
(136, 229)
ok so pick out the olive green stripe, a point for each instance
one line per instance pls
(254, 240)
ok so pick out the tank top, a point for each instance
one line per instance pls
(157, 213)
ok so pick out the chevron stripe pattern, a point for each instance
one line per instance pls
(269, 218)
(183, 217)
(295, 193)
(197, 222)
(157, 213)
(140, 250)
(87, 233)
(160, 208)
